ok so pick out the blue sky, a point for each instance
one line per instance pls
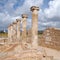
(49, 13)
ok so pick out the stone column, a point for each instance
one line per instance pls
(18, 29)
(29, 36)
(9, 32)
(10, 29)
(34, 10)
(14, 32)
(24, 34)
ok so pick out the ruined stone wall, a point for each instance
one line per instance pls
(50, 38)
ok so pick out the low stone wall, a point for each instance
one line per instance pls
(50, 38)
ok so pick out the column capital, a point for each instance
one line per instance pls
(14, 22)
(18, 20)
(34, 8)
(10, 25)
(24, 16)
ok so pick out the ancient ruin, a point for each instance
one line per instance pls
(19, 46)
(51, 38)
(18, 30)
(34, 10)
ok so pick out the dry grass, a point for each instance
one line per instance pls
(3, 34)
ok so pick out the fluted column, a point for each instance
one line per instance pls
(14, 32)
(34, 10)
(10, 30)
(18, 29)
(24, 34)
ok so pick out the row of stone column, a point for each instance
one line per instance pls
(14, 33)
(14, 28)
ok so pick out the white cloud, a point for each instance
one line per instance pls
(6, 19)
(7, 6)
(10, 4)
(9, 12)
(54, 9)
(25, 8)
(45, 17)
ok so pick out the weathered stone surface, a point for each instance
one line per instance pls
(50, 38)
(10, 31)
(29, 36)
(24, 25)
(18, 30)
(34, 10)
(14, 32)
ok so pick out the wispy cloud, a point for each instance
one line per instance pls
(48, 16)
